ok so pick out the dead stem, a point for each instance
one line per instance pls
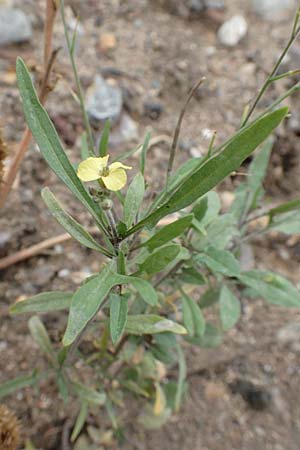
(49, 58)
(178, 127)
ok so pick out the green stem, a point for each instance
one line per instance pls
(273, 73)
(80, 95)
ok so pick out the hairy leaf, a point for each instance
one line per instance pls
(44, 302)
(69, 224)
(217, 167)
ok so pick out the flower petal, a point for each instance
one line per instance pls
(88, 170)
(115, 180)
(118, 165)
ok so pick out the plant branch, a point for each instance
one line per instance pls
(80, 95)
(272, 76)
(49, 59)
(178, 128)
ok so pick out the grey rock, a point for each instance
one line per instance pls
(273, 10)
(5, 238)
(185, 8)
(15, 26)
(290, 335)
(232, 31)
(42, 275)
(126, 131)
(104, 101)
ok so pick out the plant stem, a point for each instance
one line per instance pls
(49, 59)
(272, 76)
(177, 130)
(80, 95)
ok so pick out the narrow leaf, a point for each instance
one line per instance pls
(168, 232)
(133, 199)
(118, 316)
(103, 144)
(90, 296)
(89, 395)
(41, 337)
(258, 167)
(144, 152)
(159, 259)
(152, 324)
(48, 141)
(193, 318)
(221, 261)
(86, 302)
(15, 384)
(84, 146)
(272, 287)
(292, 205)
(44, 302)
(80, 421)
(230, 308)
(217, 167)
(69, 224)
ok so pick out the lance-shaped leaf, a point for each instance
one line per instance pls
(80, 420)
(217, 167)
(8, 387)
(159, 259)
(133, 199)
(272, 287)
(193, 318)
(118, 316)
(103, 144)
(288, 223)
(169, 232)
(221, 261)
(49, 143)
(89, 395)
(144, 152)
(69, 224)
(230, 308)
(176, 179)
(90, 296)
(151, 324)
(40, 335)
(293, 205)
(44, 302)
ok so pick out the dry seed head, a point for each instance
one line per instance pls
(9, 429)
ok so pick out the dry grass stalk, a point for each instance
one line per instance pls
(49, 57)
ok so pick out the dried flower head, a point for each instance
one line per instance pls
(9, 429)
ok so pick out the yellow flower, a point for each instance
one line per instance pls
(113, 176)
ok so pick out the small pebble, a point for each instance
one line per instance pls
(233, 31)
(15, 26)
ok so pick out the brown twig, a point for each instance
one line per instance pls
(49, 58)
(37, 249)
(33, 250)
(48, 31)
(178, 127)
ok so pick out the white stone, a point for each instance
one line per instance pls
(273, 9)
(232, 31)
(14, 26)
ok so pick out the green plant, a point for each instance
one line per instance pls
(156, 280)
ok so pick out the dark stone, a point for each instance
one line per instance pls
(257, 397)
(153, 110)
